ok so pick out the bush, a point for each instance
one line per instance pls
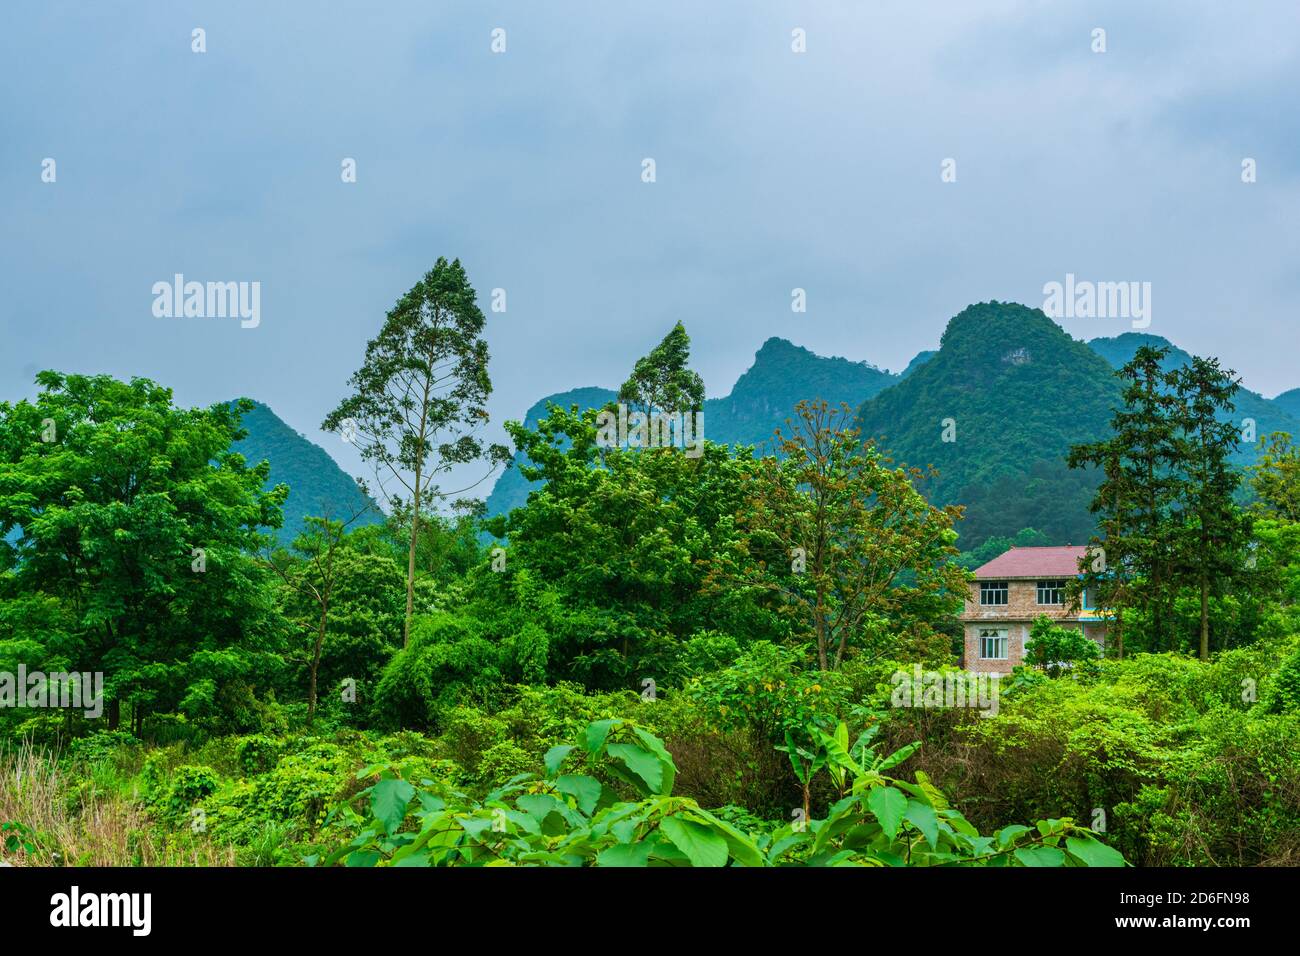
(1058, 649)
(445, 664)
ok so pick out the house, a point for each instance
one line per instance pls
(1010, 592)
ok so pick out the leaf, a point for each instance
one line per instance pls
(1007, 835)
(897, 757)
(594, 738)
(585, 790)
(921, 815)
(888, 805)
(1092, 852)
(537, 805)
(555, 756)
(624, 854)
(656, 747)
(388, 801)
(1040, 856)
(703, 845)
(641, 762)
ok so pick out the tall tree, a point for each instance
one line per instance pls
(1212, 532)
(1135, 498)
(662, 380)
(137, 517)
(418, 401)
(843, 543)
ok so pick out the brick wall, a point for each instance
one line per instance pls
(1016, 616)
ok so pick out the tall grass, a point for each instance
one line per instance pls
(78, 814)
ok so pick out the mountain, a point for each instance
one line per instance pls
(783, 374)
(1279, 414)
(920, 359)
(1289, 402)
(1011, 392)
(511, 488)
(316, 483)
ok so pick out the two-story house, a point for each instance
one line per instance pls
(1010, 592)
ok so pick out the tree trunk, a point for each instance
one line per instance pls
(1205, 617)
(114, 714)
(410, 563)
(315, 665)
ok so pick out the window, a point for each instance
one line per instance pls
(1051, 592)
(993, 592)
(1089, 598)
(993, 644)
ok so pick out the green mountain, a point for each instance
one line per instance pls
(316, 483)
(995, 411)
(1289, 402)
(920, 359)
(1269, 415)
(783, 374)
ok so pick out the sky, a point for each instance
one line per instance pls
(774, 170)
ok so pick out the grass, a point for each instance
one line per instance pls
(78, 814)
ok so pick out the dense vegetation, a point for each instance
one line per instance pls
(657, 659)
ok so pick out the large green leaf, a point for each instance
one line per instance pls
(888, 805)
(1092, 852)
(388, 802)
(1040, 856)
(585, 790)
(642, 763)
(596, 732)
(704, 845)
(625, 854)
(555, 756)
(897, 757)
(921, 815)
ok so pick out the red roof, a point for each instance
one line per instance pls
(1058, 562)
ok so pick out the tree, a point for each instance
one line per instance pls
(1276, 478)
(1134, 500)
(136, 517)
(313, 578)
(661, 381)
(843, 544)
(1213, 532)
(1167, 517)
(618, 541)
(1054, 648)
(418, 400)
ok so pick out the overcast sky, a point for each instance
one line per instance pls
(774, 169)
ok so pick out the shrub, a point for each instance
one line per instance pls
(446, 663)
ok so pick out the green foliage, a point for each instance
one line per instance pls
(1056, 649)
(447, 662)
(576, 818)
(134, 525)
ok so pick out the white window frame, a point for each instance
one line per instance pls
(1001, 640)
(1049, 585)
(1004, 587)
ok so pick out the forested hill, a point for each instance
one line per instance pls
(763, 397)
(1289, 402)
(316, 483)
(1020, 392)
(1012, 392)
(1280, 414)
